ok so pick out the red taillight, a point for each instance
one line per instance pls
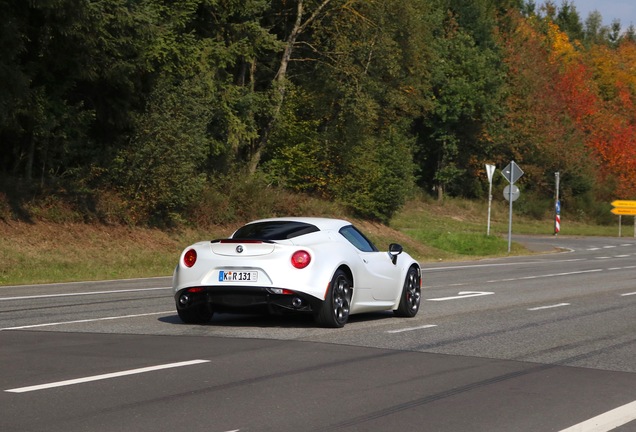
(190, 258)
(301, 259)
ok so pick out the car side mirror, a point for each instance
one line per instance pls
(394, 250)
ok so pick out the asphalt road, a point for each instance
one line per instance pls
(540, 343)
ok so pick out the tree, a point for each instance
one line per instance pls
(467, 81)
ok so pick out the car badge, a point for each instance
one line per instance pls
(239, 249)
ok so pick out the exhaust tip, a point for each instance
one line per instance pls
(184, 299)
(297, 302)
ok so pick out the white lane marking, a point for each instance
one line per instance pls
(548, 275)
(105, 376)
(108, 281)
(412, 328)
(82, 294)
(607, 421)
(628, 294)
(603, 257)
(463, 294)
(499, 264)
(621, 256)
(85, 320)
(549, 307)
(608, 247)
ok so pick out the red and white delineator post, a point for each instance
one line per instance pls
(557, 207)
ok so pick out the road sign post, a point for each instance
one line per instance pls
(512, 173)
(624, 207)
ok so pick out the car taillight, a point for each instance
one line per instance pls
(190, 258)
(300, 259)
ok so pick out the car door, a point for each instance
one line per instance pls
(379, 274)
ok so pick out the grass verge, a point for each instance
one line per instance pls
(42, 252)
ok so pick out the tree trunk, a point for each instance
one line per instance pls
(279, 81)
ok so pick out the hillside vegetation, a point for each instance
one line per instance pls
(136, 111)
(131, 128)
(40, 250)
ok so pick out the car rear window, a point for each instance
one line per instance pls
(274, 230)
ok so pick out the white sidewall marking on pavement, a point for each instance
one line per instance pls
(104, 376)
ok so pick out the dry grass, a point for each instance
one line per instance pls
(49, 252)
(46, 251)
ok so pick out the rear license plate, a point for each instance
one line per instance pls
(238, 276)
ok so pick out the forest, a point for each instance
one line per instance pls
(137, 110)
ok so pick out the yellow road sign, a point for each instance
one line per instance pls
(624, 203)
(624, 211)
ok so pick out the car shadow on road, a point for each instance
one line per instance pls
(273, 321)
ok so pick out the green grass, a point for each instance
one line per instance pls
(457, 229)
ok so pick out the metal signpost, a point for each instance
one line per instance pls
(512, 173)
(624, 207)
(490, 170)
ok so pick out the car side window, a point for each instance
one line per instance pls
(357, 239)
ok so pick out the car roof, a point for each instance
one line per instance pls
(323, 224)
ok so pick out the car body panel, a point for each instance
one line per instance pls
(259, 269)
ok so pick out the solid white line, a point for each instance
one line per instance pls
(104, 376)
(607, 421)
(412, 328)
(84, 321)
(549, 307)
(628, 294)
(499, 264)
(82, 294)
(547, 275)
(83, 282)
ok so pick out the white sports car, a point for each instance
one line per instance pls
(322, 266)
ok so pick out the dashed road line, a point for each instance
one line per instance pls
(84, 321)
(549, 307)
(607, 421)
(412, 328)
(104, 376)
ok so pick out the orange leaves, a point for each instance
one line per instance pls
(569, 98)
(562, 50)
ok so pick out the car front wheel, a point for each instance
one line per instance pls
(334, 311)
(411, 294)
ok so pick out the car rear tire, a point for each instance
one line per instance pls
(334, 311)
(199, 314)
(411, 295)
